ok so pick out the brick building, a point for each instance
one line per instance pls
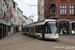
(63, 11)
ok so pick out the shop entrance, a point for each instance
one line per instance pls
(2, 31)
(64, 27)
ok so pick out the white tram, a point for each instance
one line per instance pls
(45, 29)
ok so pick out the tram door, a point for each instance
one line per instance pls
(43, 31)
(64, 27)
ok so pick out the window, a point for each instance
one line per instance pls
(72, 10)
(47, 30)
(13, 4)
(4, 14)
(63, 9)
(38, 29)
(32, 29)
(4, 0)
(14, 20)
(27, 29)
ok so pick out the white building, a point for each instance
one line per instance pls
(40, 9)
(20, 19)
(15, 16)
(13, 5)
(3, 18)
(27, 20)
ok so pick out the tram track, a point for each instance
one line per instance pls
(17, 42)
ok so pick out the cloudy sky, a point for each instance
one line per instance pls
(28, 10)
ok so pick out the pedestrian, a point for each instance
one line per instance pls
(64, 30)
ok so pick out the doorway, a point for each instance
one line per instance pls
(73, 28)
(64, 27)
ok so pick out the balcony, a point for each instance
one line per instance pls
(53, 15)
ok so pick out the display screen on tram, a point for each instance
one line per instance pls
(52, 26)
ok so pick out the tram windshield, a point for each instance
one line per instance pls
(52, 26)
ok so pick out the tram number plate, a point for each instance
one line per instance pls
(54, 35)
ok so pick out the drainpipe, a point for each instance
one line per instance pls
(49, 8)
(2, 17)
(1, 10)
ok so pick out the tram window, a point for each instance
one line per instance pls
(47, 30)
(27, 29)
(43, 28)
(32, 29)
(39, 29)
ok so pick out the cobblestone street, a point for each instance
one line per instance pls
(18, 41)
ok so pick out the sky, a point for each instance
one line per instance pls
(28, 10)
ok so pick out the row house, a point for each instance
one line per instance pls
(9, 18)
(20, 19)
(27, 20)
(14, 16)
(4, 18)
(63, 11)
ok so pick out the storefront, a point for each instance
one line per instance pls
(16, 28)
(8, 28)
(64, 27)
(20, 28)
(2, 28)
(12, 28)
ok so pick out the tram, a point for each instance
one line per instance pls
(45, 29)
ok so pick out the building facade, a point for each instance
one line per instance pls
(64, 12)
(40, 10)
(13, 15)
(8, 17)
(26, 20)
(4, 18)
(20, 19)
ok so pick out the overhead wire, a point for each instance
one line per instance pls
(28, 5)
